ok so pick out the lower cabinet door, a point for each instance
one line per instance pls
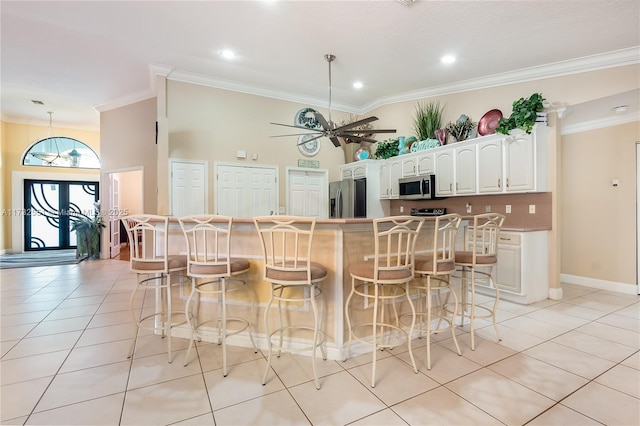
(508, 275)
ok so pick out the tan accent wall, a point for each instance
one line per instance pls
(15, 139)
(599, 220)
(128, 141)
(206, 123)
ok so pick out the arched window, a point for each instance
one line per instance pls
(60, 151)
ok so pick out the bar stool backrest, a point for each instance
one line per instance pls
(395, 241)
(208, 239)
(286, 243)
(441, 259)
(482, 238)
(148, 243)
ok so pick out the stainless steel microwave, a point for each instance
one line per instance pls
(418, 187)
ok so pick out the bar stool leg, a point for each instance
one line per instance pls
(268, 334)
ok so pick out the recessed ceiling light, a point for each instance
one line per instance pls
(228, 54)
(357, 85)
(621, 108)
(448, 59)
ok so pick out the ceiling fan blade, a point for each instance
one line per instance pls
(310, 139)
(366, 132)
(295, 134)
(298, 127)
(356, 123)
(358, 138)
(335, 140)
(325, 125)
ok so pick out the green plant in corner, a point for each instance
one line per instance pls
(387, 148)
(88, 230)
(523, 116)
(428, 119)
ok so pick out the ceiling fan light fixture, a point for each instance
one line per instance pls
(330, 130)
(358, 85)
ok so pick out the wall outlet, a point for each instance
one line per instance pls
(468, 208)
(487, 208)
(508, 208)
(401, 209)
(532, 208)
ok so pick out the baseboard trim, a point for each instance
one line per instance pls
(618, 287)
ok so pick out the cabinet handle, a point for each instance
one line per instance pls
(450, 187)
(507, 182)
(498, 182)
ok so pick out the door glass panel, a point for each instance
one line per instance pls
(44, 219)
(50, 205)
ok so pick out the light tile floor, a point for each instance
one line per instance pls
(66, 333)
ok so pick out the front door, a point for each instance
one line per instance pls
(49, 205)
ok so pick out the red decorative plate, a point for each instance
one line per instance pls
(489, 122)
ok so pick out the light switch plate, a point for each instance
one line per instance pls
(508, 208)
(532, 208)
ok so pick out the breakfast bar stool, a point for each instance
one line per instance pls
(214, 273)
(380, 282)
(477, 263)
(149, 258)
(433, 270)
(286, 247)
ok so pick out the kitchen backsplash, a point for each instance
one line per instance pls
(520, 216)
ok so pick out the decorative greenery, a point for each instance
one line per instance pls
(387, 148)
(428, 119)
(461, 128)
(523, 116)
(88, 230)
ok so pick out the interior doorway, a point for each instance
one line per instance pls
(308, 192)
(125, 196)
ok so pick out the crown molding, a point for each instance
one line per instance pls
(623, 57)
(613, 59)
(599, 124)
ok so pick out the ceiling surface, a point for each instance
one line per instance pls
(80, 58)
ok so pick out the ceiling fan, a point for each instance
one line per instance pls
(330, 130)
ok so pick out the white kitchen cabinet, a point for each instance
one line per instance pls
(519, 163)
(390, 172)
(409, 165)
(522, 272)
(444, 173)
(355, 170)
(490, 166)
(465, 167)
(426, 164)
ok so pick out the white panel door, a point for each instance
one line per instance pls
(307, 193)
(245, 191)
(114, 217)
(188, 187)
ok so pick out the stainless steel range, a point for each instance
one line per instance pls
(438, 211)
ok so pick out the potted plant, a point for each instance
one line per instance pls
(428, 119)
(88, 230)
(525, 112)
(387, 148)
(462, 129)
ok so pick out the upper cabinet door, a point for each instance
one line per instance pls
(444, 179)
(426, 164)
(466, 170)
(519, 163)
(490, 166)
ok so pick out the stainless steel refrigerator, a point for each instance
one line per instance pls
(348, 198)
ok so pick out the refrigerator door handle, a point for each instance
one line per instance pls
(339, 203)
